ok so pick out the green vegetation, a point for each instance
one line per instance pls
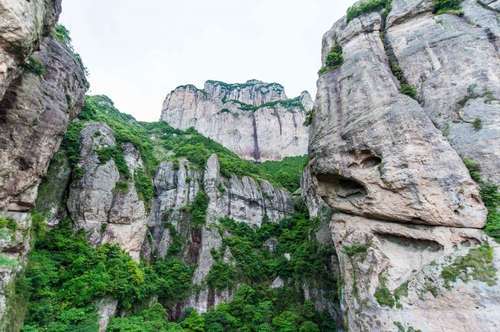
(8, 223)
(34, 66)
(368, 6)
(383, 294)
(125, 128)
(477, 124)
(144, 187)
(288, 104)
(385, 297)
(71, 147)
(62, 34)
(6, 261)
(334, 59)
(198, 209)
(158, 141)
(294, 235)
(355, 249)
(401, 328)
(476, 265)
(409, 90)
(249, 83)
(473, 167)
(151, 319)
(309, 118)
(447, 7)
(221, 275)
(490, 194)
(65, 276)
(115, 153)
(286, 172)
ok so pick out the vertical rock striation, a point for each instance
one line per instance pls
(254, 119)
(242, 199)
(407, 216)
(104, 202)
(458, 90)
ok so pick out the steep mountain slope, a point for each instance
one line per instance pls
(201, 224)
(208, 220)
(405, 93)
(255, 120)
(42, 85)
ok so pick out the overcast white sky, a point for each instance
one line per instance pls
(138, 51)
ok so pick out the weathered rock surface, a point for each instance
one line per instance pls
(253, 119)
(404, 204)
(243, 199)
(34, 115)
(22, 27)
(454, 64)
(104, 202)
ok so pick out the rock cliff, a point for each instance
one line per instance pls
(254, 119)
(104, 201)
(42, 84)
(405, 94)
(243, 199)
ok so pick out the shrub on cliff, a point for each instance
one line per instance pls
(367, 6)
(447, 7)
(334, 59)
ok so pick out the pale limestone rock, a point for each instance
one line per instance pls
(373, 149)
(453, 62)
(107, 214)
(278, 283)
(106, 309)
(35, 112)
(411, 258)
(243, 199)
(253, 119)
(398, 190)
(22, 26)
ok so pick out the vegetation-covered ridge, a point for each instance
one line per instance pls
(66, 278)
(250, 83)
(158, 142)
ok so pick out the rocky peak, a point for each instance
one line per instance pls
(405, 102)
(252, 92)
(253, 119)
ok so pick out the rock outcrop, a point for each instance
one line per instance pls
(242, 199)
(23, 25)
(459, 90)
(407, 216)
(42, 85)
(104, 202)
(253, 119)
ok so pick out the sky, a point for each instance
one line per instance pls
(136, 52)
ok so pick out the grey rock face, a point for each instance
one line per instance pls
(99, 203)
(22, 27)
(106, 309)
(34, 113)
(254, 119)
(453, 62)
(404, 205)
(243, 199)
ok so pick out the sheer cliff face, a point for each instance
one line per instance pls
(254, 119)
(41, 89)
(242, 199)
(391, 166)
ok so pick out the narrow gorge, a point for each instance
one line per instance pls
(374, 207)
